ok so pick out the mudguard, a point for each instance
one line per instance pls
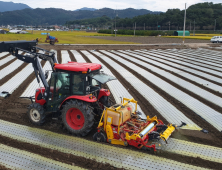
(87, 98)
(103, 92)
(38, 98)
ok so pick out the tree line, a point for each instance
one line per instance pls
(205, 16)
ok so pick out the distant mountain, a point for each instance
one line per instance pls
(10, 6)
(51, 16)
(86, 9)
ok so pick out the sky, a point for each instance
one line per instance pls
(152, 5)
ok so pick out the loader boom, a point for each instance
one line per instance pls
(10, 46)
(29, 47)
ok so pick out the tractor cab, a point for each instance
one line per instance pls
(74, 80)
(75, 93)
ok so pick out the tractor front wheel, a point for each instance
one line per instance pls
(36, 114)
(77, 117)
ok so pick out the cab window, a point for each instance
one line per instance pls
(78, 84)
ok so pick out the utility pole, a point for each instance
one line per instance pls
(115, 21)
(215, 25)
(112, 28)
(115, 26)
(184, 25)
(135, 29)
(144, 26)
(190, 26)
(194, 28)
(157, 26)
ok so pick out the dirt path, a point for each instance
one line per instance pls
(152, 40)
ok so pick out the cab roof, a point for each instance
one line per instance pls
(77, 67)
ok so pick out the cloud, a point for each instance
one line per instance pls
(158, 5)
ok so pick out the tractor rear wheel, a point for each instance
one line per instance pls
(77, 117)
(36, 114)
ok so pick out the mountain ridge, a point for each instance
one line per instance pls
(11, 6)
(51, 16)
(86, 9)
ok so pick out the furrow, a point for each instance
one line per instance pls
(19, 159)
(166, 109)
(184, 84)
(116, 88)
(118, 157)
(204, 75)
(207, 113)
(171, 69)
(189, 65)
(193, 60)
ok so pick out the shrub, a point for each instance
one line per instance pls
(138, 32)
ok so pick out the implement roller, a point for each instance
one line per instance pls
(121, 125)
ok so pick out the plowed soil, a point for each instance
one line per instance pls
(152, 39)
(14, 110)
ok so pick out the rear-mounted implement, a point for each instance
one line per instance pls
(121, 125)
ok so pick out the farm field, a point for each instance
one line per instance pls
(82, 37)
(173, 84)
(64, 37)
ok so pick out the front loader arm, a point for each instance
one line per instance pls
(10, 46)
(29, 47)
(48, 57)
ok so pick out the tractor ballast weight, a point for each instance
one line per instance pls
(73, 93)
(121, 125)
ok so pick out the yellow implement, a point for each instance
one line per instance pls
(121, 125)
(166, 134)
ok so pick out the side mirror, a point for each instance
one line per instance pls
(87, 89)
(46, 74)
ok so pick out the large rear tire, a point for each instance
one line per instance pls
(77, 117)
(36, 114)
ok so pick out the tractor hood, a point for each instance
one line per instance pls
(101, 77)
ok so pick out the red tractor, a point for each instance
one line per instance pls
(74, 92)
